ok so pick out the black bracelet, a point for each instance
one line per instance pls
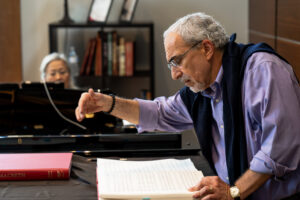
(113, 104)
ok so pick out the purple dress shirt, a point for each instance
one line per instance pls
(271, 106)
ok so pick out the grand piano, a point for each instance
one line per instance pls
(30, 123)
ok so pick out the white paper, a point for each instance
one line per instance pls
(164, 179)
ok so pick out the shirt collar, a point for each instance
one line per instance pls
(214, 90)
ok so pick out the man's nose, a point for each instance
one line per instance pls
(176, 73)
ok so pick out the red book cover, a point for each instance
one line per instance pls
(129, 58)
(35, 166)
(98, 56)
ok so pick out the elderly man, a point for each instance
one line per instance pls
(242, 100)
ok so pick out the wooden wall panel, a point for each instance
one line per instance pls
(10, 41)
(262, 16)
(289, 19)
(291, 52)
(256, 37)
(288, 32)
(277, 24)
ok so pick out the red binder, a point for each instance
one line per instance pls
(35, 166)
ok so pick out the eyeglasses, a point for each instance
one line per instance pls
(176, 60)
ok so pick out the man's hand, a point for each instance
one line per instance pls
(91, 102)
(211, 187)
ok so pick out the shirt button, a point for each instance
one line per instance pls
(222, 126)
(227, 178)
(217, 100)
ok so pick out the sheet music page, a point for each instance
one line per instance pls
(146, 179)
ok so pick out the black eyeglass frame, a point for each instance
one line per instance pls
(176, 60)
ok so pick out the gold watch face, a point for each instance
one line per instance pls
(234, 192)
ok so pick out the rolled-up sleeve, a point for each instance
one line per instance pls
(264, 164)
(164, 114)
(273, 108)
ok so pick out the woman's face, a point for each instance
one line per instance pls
(57, 71)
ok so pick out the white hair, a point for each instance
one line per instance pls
(199, 26)
(49, 58)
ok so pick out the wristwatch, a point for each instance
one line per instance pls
(234, 192)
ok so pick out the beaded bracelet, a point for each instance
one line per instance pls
(113, 104)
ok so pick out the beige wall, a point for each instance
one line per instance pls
(36, 14)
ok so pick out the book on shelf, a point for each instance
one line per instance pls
(85, 59)
(129, 58)
(98, 56)
(90, 64)
(156, 179)
(35, 166)
(115, 63)
(108, 54)
(122, 56)
(103, 36)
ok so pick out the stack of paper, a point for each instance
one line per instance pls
(158, 179)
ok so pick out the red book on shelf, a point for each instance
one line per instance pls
(98, 56)
(129, 58)
(35, 166)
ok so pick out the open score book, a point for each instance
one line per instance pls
(157, 179)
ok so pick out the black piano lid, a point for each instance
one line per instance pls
(28, 123)
(27, 110)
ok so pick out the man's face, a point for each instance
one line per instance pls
(57, 71)
(193, 69)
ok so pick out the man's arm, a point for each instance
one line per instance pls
(250, 181)
(164, 114)
(91, 102)
(127, 109)
(212, 187)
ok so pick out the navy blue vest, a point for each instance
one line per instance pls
(234, 61)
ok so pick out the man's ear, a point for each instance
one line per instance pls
(208, 49)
